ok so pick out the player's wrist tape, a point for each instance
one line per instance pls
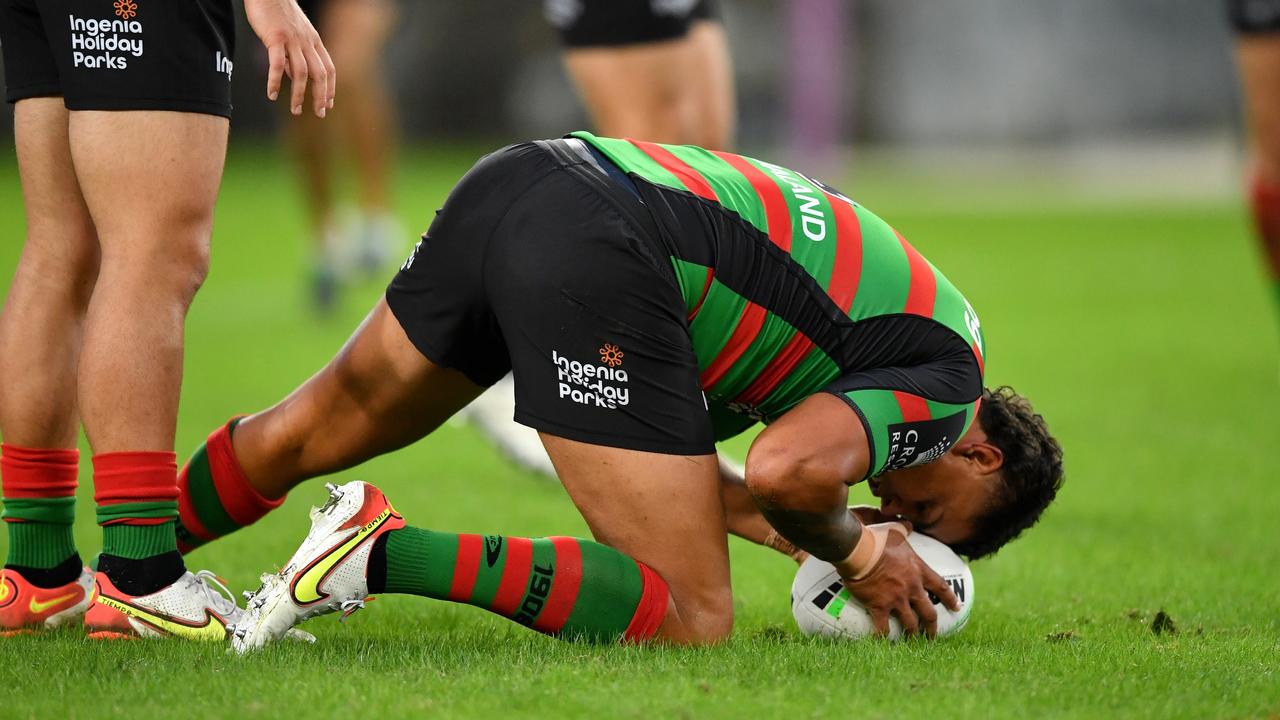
(869, 549)
(775, 541)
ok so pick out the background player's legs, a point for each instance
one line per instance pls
(377, 395)
(710, 86)
(1259, 60)
(635, 90)
(40, 330)
(150, 180)
(356, 34)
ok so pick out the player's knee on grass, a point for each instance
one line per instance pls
(705, 616)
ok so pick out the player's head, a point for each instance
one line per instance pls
(990, 486)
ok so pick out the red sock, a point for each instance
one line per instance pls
(137, 497)
(1264, 200)
(215, 497)
(39, 488)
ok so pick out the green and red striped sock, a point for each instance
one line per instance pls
(214, 495)
(137, 497)
(561, 586)
(39, 488)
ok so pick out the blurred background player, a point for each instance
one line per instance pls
(1257, 24)
(356, 33)
(120, 151)
(656, 70)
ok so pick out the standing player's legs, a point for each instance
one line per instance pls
(357, 37)
(150, 180)
(1258, 56)
(636, 91)
(40, 330)
(355, 33)
(710, 86)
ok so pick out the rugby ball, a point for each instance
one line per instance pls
(822, 605)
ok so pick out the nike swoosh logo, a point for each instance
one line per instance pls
(6, 589)
(492, 549)
(306, 585)
(38, 606)
(213, 630)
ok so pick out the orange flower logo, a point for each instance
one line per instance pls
(125, 9)
(610, 355)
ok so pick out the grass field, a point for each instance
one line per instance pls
(1142, 332)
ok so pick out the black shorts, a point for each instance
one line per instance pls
(1251, 17)
(594, 23)
(534, 266)
(120, 54)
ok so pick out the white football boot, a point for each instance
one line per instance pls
(195, 607)
(328, 573)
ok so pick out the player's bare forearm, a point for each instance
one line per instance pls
(798, 472)
(830, 536)
(742, 516)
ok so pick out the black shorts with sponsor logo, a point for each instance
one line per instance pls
(595, 23)
(534, 266)
(1251, 17)
(120, 54)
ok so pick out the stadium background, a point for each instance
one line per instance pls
(1075, 167)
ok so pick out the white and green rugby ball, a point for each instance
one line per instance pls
(822, 605)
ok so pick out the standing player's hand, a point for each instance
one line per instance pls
(888, 578)
(294, 49)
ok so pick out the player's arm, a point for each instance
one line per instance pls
(799, 470)
(293, 49)
(745, 520)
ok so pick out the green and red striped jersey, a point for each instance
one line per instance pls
(762, 341)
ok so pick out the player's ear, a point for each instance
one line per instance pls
(986, 457)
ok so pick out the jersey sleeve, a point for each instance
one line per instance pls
(903, 429)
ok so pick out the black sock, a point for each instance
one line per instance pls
(52, 577)
(142, 577)
(376, 572)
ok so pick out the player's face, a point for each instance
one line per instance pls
(943, 498)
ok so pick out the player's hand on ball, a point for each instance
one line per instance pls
(888, 578)
(293, 49)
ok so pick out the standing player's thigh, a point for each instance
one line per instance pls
(664, 511)
(710, 86)
(60, 235)
(150, 179)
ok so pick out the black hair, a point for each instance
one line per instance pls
(1028, 480)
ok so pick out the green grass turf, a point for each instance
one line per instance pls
(1143, 333)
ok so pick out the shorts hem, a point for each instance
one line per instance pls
(607, 440)
(27, 92)
(428, 351)
(622, 42)
(202, 107)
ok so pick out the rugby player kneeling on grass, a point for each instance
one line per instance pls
(650, 300)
